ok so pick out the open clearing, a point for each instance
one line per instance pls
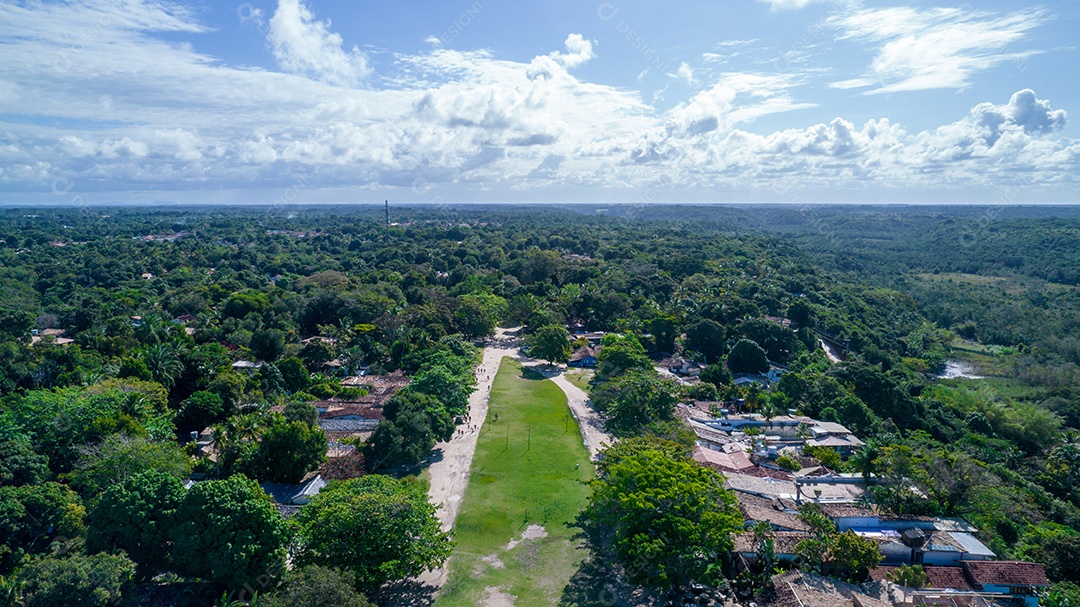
(580, 377)
(513, 542)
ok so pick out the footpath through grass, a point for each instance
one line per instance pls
(527, 474)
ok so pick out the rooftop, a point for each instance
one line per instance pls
(1005, 573)
(289, 494)
(937, 578)
(784, 542)
(777, 512)
(735, 459)
(800, 589)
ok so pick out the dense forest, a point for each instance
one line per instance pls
(120, 327)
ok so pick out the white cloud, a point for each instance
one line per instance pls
(685, 72)
(578, 51)
(734, 98)
(303, 45)
(139, 114)
(784, 5)
(933, 48)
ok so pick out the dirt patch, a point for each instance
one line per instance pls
(532, 532)
(494, 561)
(494, 597)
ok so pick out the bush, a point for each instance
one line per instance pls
(788, 463)
(86, 581)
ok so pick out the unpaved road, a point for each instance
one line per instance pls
(592, 427)
(450, 474)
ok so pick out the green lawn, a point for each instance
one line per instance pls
(580, 377)
(527, 471)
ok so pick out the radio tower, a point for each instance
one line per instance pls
(387, 219)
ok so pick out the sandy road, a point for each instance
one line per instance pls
(450, 474)
(592, 427)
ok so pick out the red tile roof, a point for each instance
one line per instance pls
(784, 542)
(946, 577)
(1005, 573)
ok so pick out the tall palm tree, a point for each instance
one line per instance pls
(164, 364)
(247, 426)
(864, 459)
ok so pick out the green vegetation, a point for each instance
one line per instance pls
(661, 516)
(528, 470)
(580, 378)
(898, 292)
(377, 528)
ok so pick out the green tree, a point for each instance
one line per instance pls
(271, 380)
(666, 519)
(664, 329)
(300, 411)
(912, 576)
(621, 353)
(228, 532)
(634, 400)
(87, 581)
(20, 465)
(287, 451)
(854, 555)
(1061, 594)
(135, 516)
(230, 387)
(134, 368)
(32, 517)
(119, 457)
(800, 313)
(377, 527)
(747, 357)
(163, 361)
(200, 410)
(846, 552)
(267, 344)
(294, 373)
(550, 343)
(315, 586)
(477, 314)
(451, 389)
(814, 550)
(717, 375)
(1056, 546)
(707, 337)
(414, 423)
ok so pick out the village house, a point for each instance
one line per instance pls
(248, 366)
(56, 336)
(584, 357)
(973, 581)
(288, 497)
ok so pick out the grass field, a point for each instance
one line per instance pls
(580, 377)
(527, 472)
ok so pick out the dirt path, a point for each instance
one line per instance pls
(450, 474)
(592, 427)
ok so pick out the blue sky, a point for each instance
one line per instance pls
(627, 101)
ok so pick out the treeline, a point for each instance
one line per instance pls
(410, 297)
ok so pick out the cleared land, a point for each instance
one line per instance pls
(514, 545)
(580, 377)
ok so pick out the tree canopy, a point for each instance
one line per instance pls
(376, 527)
(666, 518)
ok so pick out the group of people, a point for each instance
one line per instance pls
(469, 427)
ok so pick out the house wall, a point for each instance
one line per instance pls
(943, 557)
(1029, 601)
(896, 554)
(857, 522)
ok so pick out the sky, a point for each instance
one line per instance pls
(631, 101)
